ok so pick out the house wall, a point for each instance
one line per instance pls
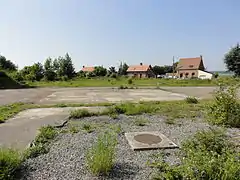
(204, 75)
(187, 73)
(147, 74)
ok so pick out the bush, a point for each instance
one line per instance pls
(225, 109)
(10, 161)
(191, 100)
(208, 155)
(80, 113)
(130, 81)
(100, 158)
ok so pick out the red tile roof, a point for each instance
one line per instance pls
(189, 63)
(139, 68)
(88, 69)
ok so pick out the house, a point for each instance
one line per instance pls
(140, 71)
(192, 68)
(87, 69)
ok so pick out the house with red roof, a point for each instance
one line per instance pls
(192, 68)
(140, 71)
(87, 69)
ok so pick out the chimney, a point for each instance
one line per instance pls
(141, 64)
(201, 57)
(83, 67)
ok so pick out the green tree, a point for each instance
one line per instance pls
(112, 70)
(50, 74)
(123, 69)
(66, 66)
(7, 64)
(100, 71)
(33, 73)
(232, 60)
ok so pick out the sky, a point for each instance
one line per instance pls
(106, 32)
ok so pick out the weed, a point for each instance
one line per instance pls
(130, 81)
(123, 87)
(100, 158)
(113, 115)
(170, 120)
(115, 128)
(88, 127)
(208, 155)
(10, 161)
(141, 122)
(225, 108)
(73, 129)
(61, 105)
(191, 100)
(41, 142)
(80, 113)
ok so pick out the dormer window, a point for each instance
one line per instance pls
(191, 66)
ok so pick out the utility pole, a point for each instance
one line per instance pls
(173, 68)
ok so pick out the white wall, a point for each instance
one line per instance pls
(204, 75)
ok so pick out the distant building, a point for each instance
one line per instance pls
(87, 69)
(192, 68)
(140, 71)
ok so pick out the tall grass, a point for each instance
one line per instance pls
(100, 158)
(10, 161)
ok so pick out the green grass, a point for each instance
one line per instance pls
(191, 100)
(80, 113)
(113, 82)
(10, 161)
(88, 127)
(100, 157)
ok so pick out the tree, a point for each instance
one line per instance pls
(7, 64)
(123, 69)
(158, 70)
(65, 66)
(100, 71)
(232, 60)
(112, 70)
(50, 74)
(33, 73)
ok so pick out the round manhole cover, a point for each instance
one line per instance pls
(148, 139)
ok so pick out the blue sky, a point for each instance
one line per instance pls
(105, 32)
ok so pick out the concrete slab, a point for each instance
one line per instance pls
(148, 140)
(19, 131)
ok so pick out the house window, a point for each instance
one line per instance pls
(186, 75)
(140, 75)
(193, 74)
(181, 75)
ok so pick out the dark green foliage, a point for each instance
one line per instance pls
(10, 161)
(100, 71)
(130, 81)
(225, 108)
(232, 60)
(7, 64)
(122, 70)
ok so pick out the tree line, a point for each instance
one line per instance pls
(62, 68)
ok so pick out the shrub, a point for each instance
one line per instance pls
(141, 122)
(208, 155)
(191, 100)
(100, 158)
(130, 81)
(80, 113)
(225, 108)
(10, 161)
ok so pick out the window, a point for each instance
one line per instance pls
(191, 66)
(186, 75)
(181, 75)
(193, 74)
(140, 75)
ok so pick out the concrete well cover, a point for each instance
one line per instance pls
(148, 140)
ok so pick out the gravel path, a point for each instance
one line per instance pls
(66, 159)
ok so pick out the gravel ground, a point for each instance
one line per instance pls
(66, 159)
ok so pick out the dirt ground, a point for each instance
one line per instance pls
(94, 95)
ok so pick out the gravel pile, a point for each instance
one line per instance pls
(66, 159)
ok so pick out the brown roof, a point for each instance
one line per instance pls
(138, 68)
(88, 69)
(189, 63)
